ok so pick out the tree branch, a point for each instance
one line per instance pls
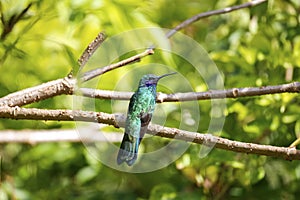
(44, 91)
(210, 13)
(118, 121)
(192, 96)
(67, 85)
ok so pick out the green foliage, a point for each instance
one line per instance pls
(255, 46)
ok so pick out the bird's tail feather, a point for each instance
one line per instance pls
(128, 150)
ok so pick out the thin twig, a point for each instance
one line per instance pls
(96, 72)
(192, 96)
(118, 121)
(210, 13)
(90, 50)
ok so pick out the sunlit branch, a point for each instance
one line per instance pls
(66, 86)
(90, 50)
(174, 133)
(40, 92)
(192, 96)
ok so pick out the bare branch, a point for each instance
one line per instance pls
(226, 144)
(192, 96)
(105, 94)
(96, 72)
(40, 92)
(118, 121)
(66, 86)
(210, 13)
(231, 93)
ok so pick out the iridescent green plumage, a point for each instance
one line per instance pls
(140, 110)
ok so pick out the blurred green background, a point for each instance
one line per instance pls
(251, 47)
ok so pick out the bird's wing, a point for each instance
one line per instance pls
(145, 120)
(146, 116)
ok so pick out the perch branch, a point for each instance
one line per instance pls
(192, 96)
(118, 121)
(210, 13)
(66, 86)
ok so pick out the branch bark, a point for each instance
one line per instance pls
(192, 96)
(44, 91)
(67, 86)
(118, 120)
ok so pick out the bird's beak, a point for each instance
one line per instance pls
(164, 75)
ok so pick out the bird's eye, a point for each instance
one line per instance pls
(149, 82)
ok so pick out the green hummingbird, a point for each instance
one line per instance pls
(139, 114)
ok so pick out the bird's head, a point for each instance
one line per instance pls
(151, 79)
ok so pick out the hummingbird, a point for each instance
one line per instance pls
(139, 114)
